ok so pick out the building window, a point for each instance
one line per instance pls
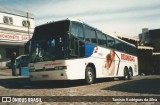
(26, 23)
(7, 20)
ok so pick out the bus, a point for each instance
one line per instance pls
(72, 50)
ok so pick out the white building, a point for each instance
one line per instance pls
(16, 28)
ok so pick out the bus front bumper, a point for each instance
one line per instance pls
(49, 75)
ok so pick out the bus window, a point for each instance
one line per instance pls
(90, 35)
(77, 30)
(110, 42)
(132, 50)
(119, 45)
(125, 48)
(101, 39)
(76, 48)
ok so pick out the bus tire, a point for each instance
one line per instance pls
(126, 73)
(130, 75)
(89, 75)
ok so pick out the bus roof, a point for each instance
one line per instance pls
(113, 35)
(79, 21)
(106, 33)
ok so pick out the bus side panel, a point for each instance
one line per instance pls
(99, 57)
(128, 61)
(76, 68)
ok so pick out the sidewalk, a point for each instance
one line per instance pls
(8, 72)
(5, 72)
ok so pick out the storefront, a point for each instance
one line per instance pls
(16, 28)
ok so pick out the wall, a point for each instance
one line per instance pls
(145, 61)
(14, 35)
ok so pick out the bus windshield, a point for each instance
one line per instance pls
(49, 42)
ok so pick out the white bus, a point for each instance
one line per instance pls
(72, 50)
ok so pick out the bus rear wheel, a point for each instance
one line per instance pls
(130, 74)
(127, 74)
(89, 75)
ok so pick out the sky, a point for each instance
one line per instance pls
(126, 17)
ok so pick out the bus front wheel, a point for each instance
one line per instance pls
(89, 75)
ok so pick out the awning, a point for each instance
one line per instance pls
(145, 47)
(12, 43)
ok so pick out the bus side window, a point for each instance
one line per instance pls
(110, 42)
(125, 47)
(134, 51)
(101, 39)
(119, 45)
(131, 50)
(90, 35)
(77, 30)
(87, 35)
(77, 48)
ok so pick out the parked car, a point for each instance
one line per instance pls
(21, 61)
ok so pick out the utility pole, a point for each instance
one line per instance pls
(1, 60)
(28, 23)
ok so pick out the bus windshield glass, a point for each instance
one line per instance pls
(49, 42)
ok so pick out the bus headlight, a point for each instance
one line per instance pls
(60, 67)
(31, 69)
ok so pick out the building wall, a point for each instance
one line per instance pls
(156, 63)
(150, 64)
(3, 51)
(145, 61)
(17, 21)
(14, 36)
(151, 38)
(156, 44)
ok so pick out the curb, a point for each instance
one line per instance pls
(4, 74)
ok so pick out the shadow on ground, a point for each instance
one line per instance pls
(143, 86)
(24, 83)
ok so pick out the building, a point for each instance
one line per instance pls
(151, 38)
(144, 54)
(145, 59)
(16, 28)
(148, 50)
